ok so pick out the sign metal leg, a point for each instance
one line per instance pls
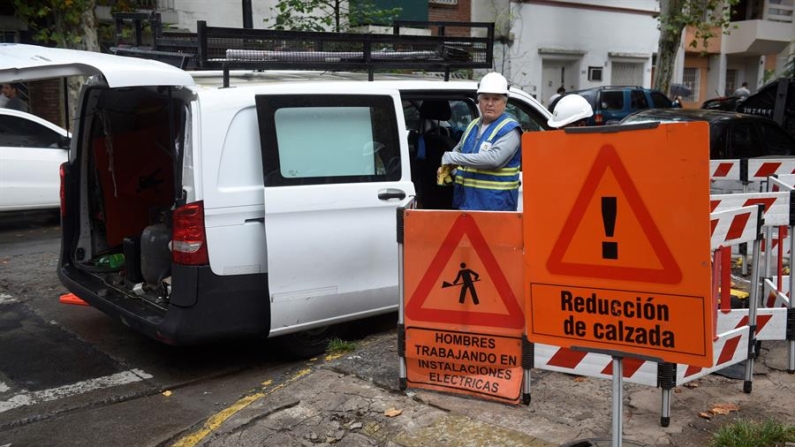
(618, 400)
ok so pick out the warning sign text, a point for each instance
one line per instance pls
(482, 364)
(646, 320)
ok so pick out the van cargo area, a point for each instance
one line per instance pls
(131, 149)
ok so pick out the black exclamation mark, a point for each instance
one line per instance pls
(609, 210)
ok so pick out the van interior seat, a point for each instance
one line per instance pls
(434, 141)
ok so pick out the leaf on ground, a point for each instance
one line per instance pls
(724, 408)
(580, 379)
(705, 415)
(691, 385)
(392, 412)
(167, 393)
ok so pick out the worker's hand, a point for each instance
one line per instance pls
(444, 175)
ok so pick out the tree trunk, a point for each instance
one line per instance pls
(90, 42)
(670, 38)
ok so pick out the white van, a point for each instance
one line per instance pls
(263, 209)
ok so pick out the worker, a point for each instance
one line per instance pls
(743, 91)
(11, 91)
(561, 90)
(486, 161)
(572, 111)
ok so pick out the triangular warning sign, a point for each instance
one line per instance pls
(465, 225)
(659, 264)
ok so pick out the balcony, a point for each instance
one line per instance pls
(758, 37)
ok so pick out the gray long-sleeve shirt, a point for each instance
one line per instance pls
(500, 153)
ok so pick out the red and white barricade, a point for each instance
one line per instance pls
(734, 337)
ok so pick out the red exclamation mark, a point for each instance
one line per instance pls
(609, 210)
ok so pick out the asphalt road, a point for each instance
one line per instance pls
(71, 376)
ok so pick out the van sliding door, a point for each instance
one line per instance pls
(335, 170)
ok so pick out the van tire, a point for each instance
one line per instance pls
(306, 344)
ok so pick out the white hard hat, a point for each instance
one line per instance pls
(493, 83)
(570, 108)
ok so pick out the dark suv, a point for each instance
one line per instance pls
(731, 134)
(613, 103)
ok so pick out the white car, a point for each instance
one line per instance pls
(31, 152)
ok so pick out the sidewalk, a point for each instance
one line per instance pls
(354, 401)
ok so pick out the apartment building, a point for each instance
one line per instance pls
(577, 44)
(761, 40)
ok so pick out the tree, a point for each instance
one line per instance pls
(789, 72)
(675, 15)
(328, 15)
(65, 23)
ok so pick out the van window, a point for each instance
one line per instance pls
(529, 119)
(319, 139)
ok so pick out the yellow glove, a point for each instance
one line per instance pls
(444, 175)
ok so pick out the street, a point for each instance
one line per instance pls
(71, 376)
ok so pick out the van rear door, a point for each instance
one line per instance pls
(19, 63)
(335, 169)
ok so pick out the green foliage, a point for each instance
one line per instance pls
(703, 15)
(769, 433)
(328, 15)
(789, 72)
(61, 22)
(338, 346)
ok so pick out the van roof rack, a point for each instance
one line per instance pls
(217, 48)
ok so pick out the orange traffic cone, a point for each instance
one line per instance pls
(71, 298)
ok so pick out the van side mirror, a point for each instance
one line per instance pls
(64, 142)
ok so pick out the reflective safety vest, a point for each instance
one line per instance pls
(489, 190)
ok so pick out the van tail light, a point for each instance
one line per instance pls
(598, 118)
(189, 242)
(62, 172)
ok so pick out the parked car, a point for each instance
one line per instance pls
(775, 100)
(31, 152)
(613, 103)
(267, 209)
(728, 103)
(732, 135)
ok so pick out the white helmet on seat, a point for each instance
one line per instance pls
(570, 108)
(494, 83)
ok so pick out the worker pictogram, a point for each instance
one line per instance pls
(650, 259)
(466, 281)
(492, 304)
(462, 276)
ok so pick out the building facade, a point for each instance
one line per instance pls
(576, 44)
(760, 41)
(542, 45)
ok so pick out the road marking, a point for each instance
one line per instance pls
(217, 419)
(7, 299)
(28, 398)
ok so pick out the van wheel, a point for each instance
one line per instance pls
(306, 344)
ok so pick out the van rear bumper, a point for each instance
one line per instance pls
(204, 307)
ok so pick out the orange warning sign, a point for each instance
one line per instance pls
(618, 249)
(463, 316)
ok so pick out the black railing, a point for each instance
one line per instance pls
(216, 48)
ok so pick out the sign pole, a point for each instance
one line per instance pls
(403, 370)
(618, 399)
(791, 306)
